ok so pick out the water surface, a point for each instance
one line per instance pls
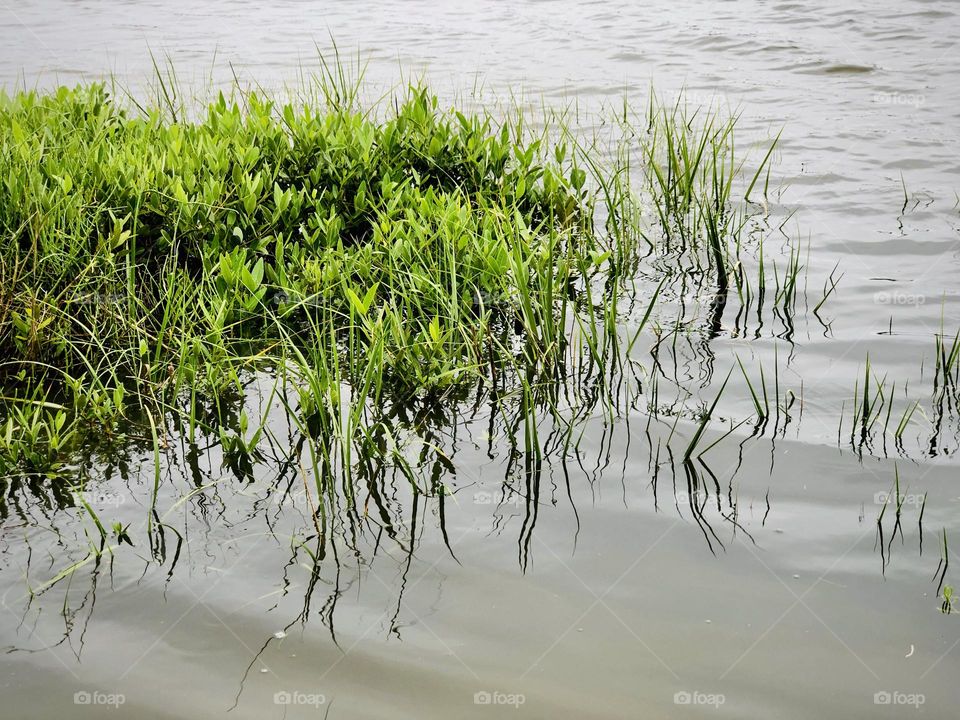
(600, 590)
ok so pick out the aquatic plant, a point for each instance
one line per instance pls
(946, 606)
(874, 397)
(180, 282)
(144, 255)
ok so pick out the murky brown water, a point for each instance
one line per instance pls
(600, 594)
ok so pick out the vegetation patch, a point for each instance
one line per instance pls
(146, 258)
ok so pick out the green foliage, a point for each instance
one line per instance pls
(147, 255)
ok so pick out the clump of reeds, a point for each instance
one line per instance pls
(362, 264)
(874, 417)
(148, 261)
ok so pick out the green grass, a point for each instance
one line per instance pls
(359, 264)
(877, 413)
(147, 262)
(182, 281)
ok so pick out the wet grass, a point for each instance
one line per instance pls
(155, 259)
(880, 414)
(319, 294)
(149, 263)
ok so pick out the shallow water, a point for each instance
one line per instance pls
(594, 590)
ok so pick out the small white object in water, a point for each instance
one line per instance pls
(280, 635)
(910, 654)
(264, 670)
(796, 577)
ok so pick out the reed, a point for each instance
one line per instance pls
(361, 265)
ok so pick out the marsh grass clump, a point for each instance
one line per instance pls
(707, 224)
(359, 274)
(145, 258)
(878, 412)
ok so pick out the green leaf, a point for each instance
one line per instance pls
(362, 306)
(577, 178)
